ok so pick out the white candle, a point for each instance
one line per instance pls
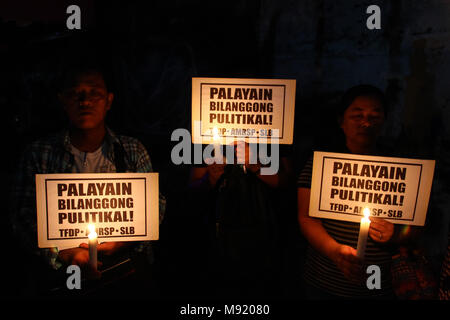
(363, 233)
(92, 246)
(216, 139)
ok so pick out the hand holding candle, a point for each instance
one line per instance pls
(363, 233)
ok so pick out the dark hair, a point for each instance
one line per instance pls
(365, 90)
(83, 67)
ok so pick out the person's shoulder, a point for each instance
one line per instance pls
(45, 143)
(125, 139)
(132, 145)
(130, 142)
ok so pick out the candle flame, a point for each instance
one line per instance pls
(91, 227)
(216, 134)
(92, 234)
(366, 212)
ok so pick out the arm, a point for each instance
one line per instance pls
(23, 208)
(206, 177)
(280, 179)
(312, 228)
(343, 256)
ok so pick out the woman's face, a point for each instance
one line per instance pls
(362, 121)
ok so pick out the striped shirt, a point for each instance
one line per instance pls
(322, 273)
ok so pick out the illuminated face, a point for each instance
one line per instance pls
(87, 101)
(362, 121)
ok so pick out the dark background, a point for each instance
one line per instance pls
(155, 47)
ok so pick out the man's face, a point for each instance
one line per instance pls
(363, 120)
(87, 101)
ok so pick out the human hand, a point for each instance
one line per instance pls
(107, 248)
(215, 171)
(381, 230)
(348, 263)
(246, 155)
(80, 257)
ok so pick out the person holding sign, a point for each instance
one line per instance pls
(242, 202)
(333, 269)
(87, 146)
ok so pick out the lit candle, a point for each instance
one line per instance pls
(363, 233)
(216, 139)
(92, 246)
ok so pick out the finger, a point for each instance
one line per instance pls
(378, 236)
(105, 246)
(382, 224)
(350, 256)
(239, 144)
(378, 227)
(376, 220)
(379, 223)
(84, 245)
(375, 234)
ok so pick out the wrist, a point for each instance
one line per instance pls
(334, 252)
(254, 168)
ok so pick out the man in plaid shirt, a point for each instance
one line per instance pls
(88, 145)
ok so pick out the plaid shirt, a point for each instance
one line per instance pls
(53, 155)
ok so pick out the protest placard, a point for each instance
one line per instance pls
(396, 189)
(122, 206)
(243, 109)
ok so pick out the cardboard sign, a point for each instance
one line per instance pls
(396, 189)
(122, 206)
(243, 109)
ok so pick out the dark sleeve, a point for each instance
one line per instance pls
(23, 216)
(23, 202)
(305, 176)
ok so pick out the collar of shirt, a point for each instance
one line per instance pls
(110, 140)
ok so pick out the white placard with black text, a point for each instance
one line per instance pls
(122, 206)
(396, 189)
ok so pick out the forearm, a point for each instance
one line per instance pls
(318, 237)
(271, 180)
(312, 228)
(200, 182)
(280, 179)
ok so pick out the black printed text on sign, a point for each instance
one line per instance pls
(243, 109)
(121, 206)
(395, 189)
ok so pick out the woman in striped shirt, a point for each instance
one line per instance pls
(332, 269)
